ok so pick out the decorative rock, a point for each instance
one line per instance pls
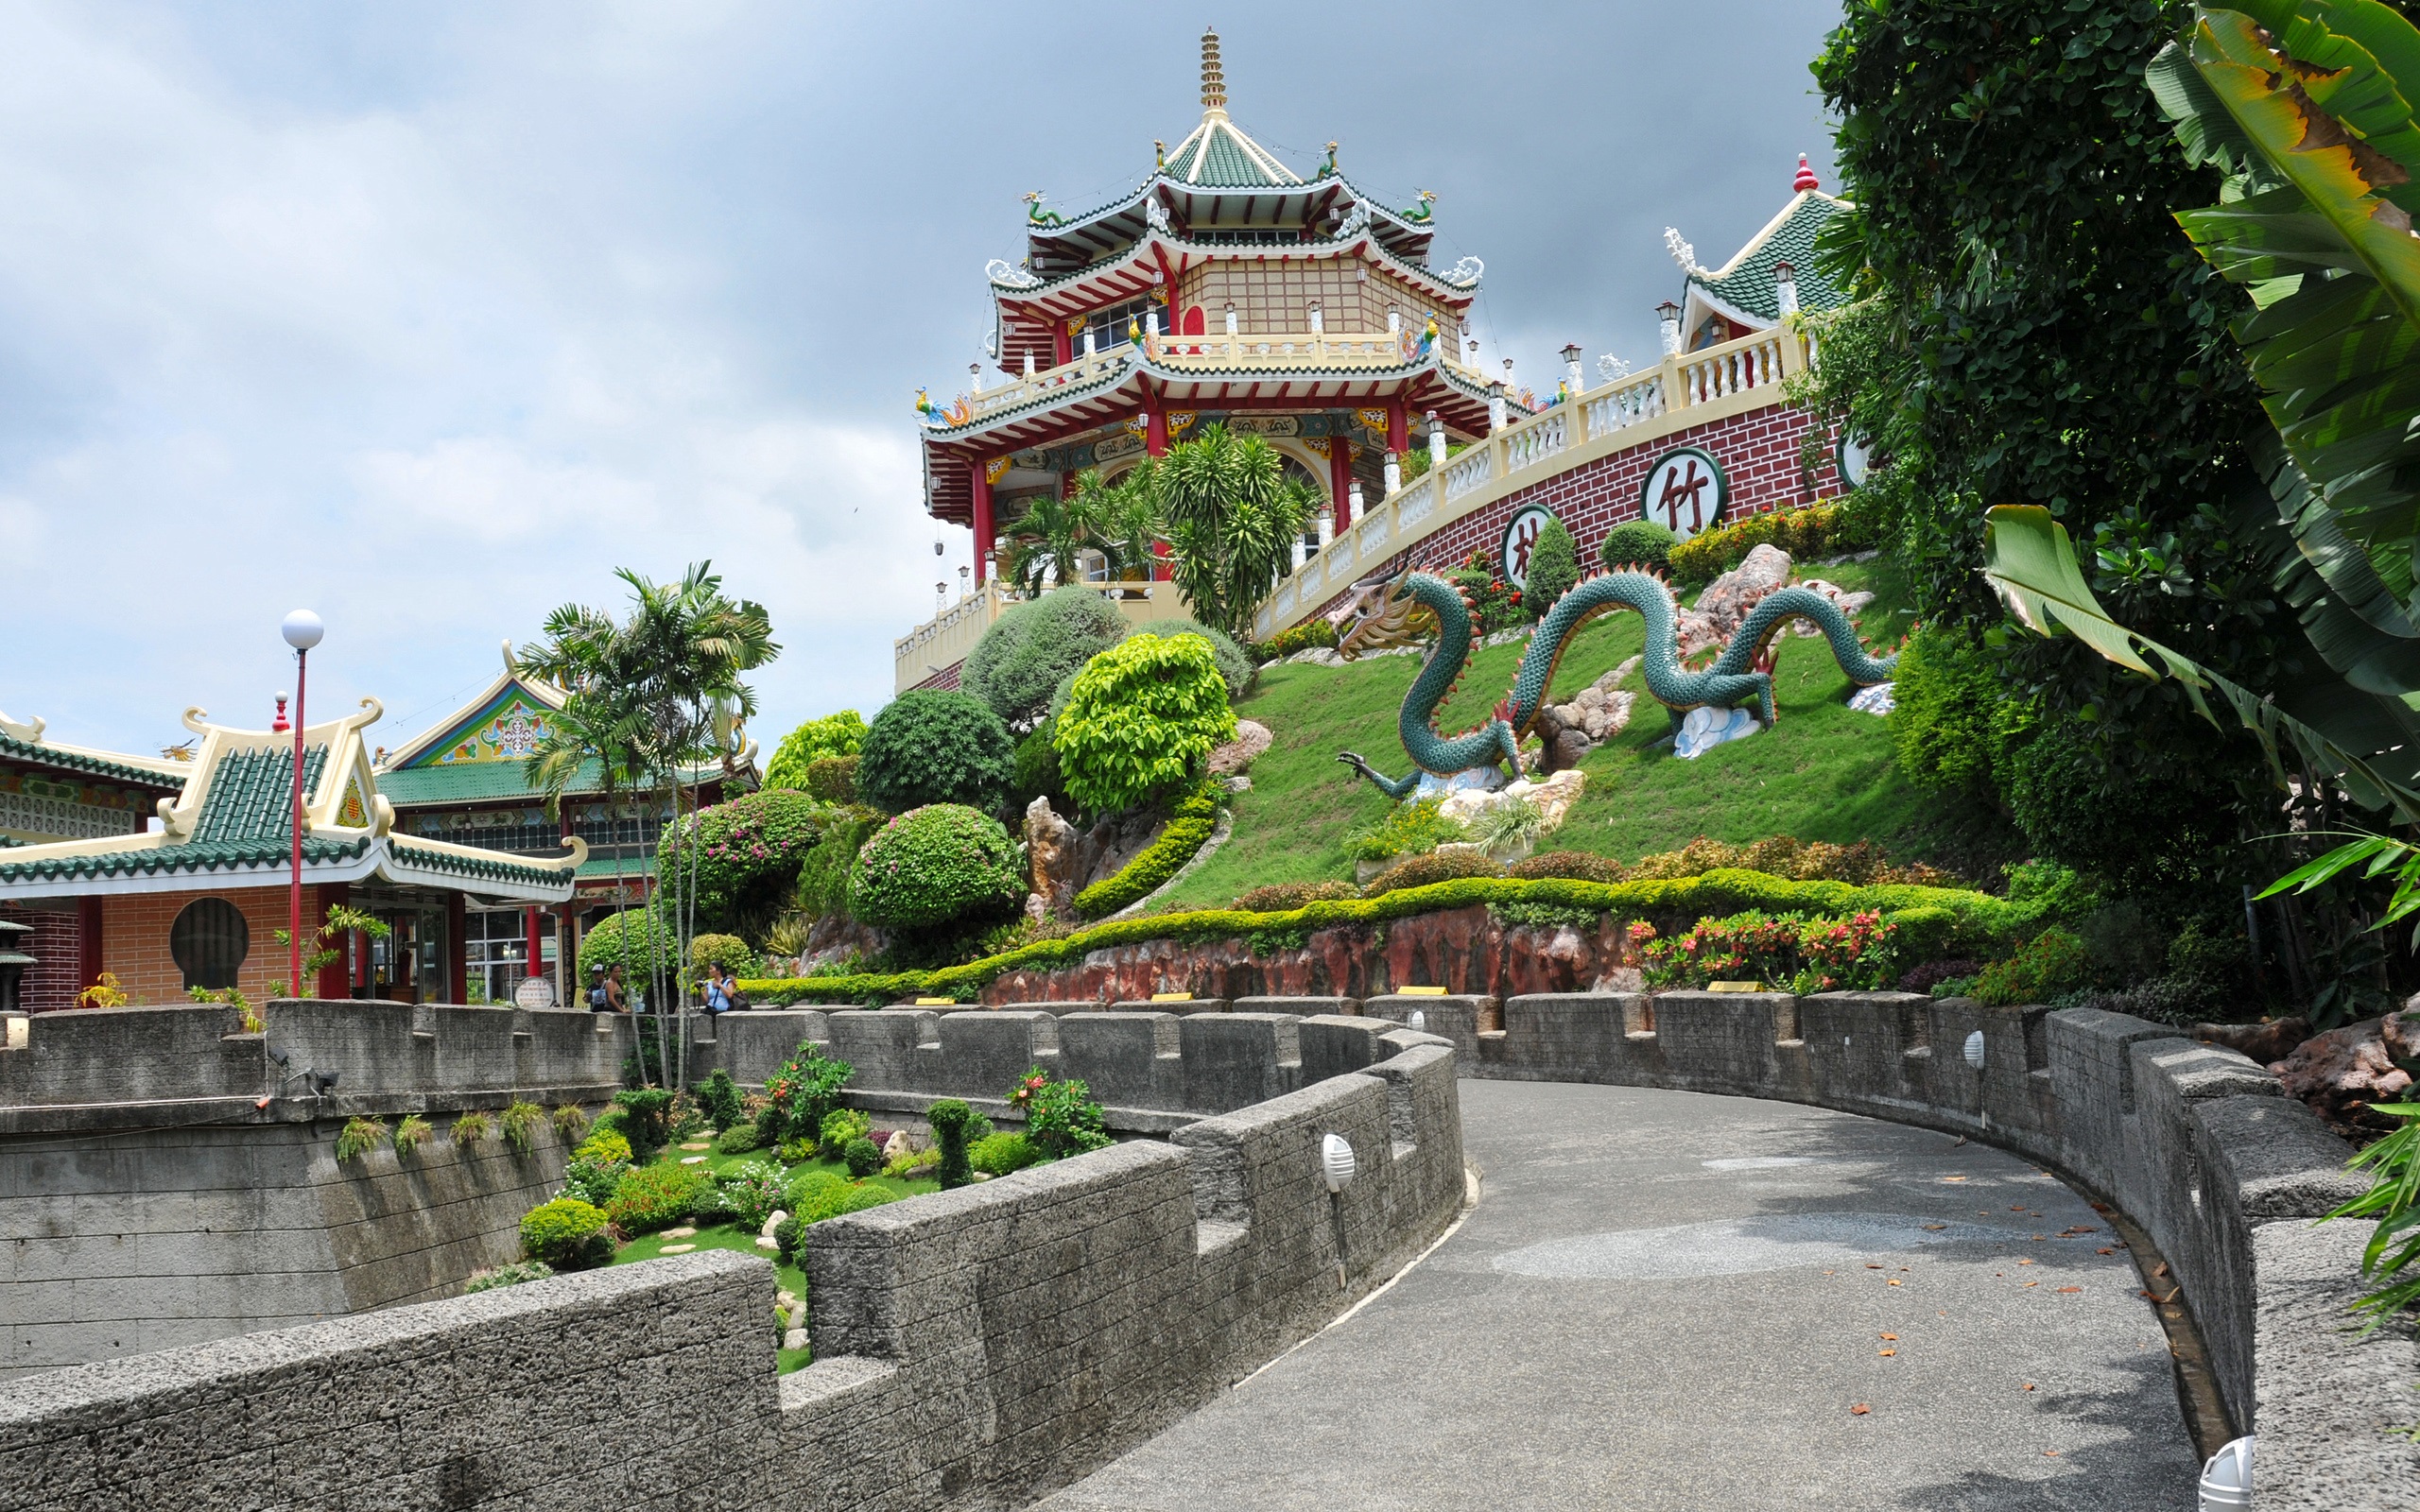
(676, 1249)
(2337, 1071)
(778, 1218)
(768, 1242)
(693, 1160)
(699, 1144)
(1252, 740)
(1567, 750)
(1704, 729)
(1727, 599)
(1877, 699)
(683, 1232)
(1551, 797)
(794, 1339)
(1049, 847)
(897, 1145)
(1239, 784)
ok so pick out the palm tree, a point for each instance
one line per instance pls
(1232, 517)
(1050, 537)
(651, 696)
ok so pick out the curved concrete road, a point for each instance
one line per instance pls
(1669, 1300)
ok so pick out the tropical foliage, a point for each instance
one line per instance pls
(934, 747)
(839, 735)
(1232, 518)
(933, 866)
(1140, 720)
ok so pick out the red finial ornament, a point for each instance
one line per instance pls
(281, 723)
(1805, 178)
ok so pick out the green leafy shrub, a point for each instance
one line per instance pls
(647, 1120)
(728, 951)
(1038, 772)
(1061, 1118)
(412, 1133)
(751, 1191)
(1426, 871)
(797, 1151)
(1194, 820)
(2083, 800)
(2052, 962)
(657, 1196)
(739, 1139)
(841, 1127)
(470, 1129)
(1496, 605)
(567, 1234)
(807, 1188)
(1637, 543)
(360, 1136)
(571, 1123)
(1406, 829)
(1310, 635)
(913, 1164)
(826, 1202)
(823, 875)
(521, 1122)
(605, 1147)
(625, 940)
(1787, 951)
(1952, 721)
(833, 778)
(593, 1182)
(718, 1096)
(2393, 1200)
(1282, 897)
(950, 1118)
(930, 746)
(801, 1093)
(1554, 568)
(833, 735)
(1543, 916)
(1809, 531)
(863, 1157)
(1861, 865)
(743, 856)
(1580, 866)
(934, 865)
(999, 1154)
(1142, 718)
(512, 1274)
(1235, 668)
(1033, 645)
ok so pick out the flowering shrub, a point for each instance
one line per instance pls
(1061, 1118)
(593, 1182)
(744, 856)
(604, 1147)
(657, 1196)
(751, 1192)
(1788, 952)
(799, 1094)
(933, 865)
(1312, 633)
(2050, 962)
(1496, 605)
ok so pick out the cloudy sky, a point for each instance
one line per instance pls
(429, 316)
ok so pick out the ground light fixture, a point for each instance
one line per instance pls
(302, 631)
(2226, 1479)
(1975, 1050)
(1337, 1167)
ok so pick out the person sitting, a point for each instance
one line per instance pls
(717, 990)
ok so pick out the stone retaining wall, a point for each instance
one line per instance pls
(975, 1348)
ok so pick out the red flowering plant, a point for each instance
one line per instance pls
(1788, 952)
(799, 1094)
(1496, 603)
(1061, 1118)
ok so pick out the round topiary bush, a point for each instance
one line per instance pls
(728, 951)
(1437, 866)
(1033, 645)
(745, 857)
(930, 746)
(1576, 865)
(934, 865)
(625, 940)
(566, 1233)
(1637, 543)
(833, 778)
(816, 740)
(863, 1157)
(1140, 720)
(604, 1147)
(1235, 666)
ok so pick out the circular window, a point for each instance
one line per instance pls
(210, 940)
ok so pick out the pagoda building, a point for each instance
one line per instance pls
(1225, 289)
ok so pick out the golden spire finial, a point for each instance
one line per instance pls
(1214, 83)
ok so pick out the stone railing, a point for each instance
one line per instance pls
(1693, 388)
(974, 1349)
(944, 641)
(1330, 350)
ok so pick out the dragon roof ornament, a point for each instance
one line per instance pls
(1010, 275)
(1683, 253)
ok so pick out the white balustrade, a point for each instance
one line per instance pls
(1630, 405)
(1541, 437)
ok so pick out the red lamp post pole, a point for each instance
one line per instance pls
(294, 891)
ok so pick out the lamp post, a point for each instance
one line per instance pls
(302, 631)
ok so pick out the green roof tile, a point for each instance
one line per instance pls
(168, 860)
(76, 762)
(1749, 285)
(472, 782)
(252, 795)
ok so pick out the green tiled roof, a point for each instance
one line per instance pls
(500, 868)
(252, 795)
(1747, 286)
(633, 868)
(73, 761)
(1219, 155)
(472, 782)
(168, 860)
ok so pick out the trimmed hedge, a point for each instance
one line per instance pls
(1196, 819)
(1933, 921)
(1809, 530)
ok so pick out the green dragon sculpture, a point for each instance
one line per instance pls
(1399, 610)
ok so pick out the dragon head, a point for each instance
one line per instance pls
(1381, 612)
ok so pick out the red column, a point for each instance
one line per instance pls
(458, 950)
(980, 485)
(1063, 346)
(335, 979)
(1155, 426)
(536, 962)
(1339, 480)
(88, 942)
(1398, 428)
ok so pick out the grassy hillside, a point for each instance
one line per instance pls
(1825, 772)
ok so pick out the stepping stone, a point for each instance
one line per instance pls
(681, 1233)
(676, 1249)
(699, 1145)
(765, 1243)
(693, 1160)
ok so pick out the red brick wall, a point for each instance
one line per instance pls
(134, 939)
(1758, 452)
(51, 981)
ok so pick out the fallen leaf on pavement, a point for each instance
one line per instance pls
(1935, 1227)
(1894, 1280)
(2028, 1385)
(2071, 1288)
(1953, 1178)
(2159, 1271)
(2050, 1453)
(1859, 1410)
(1893, 1337)
(1886, 1354)
(2030, 1283)
(2104, 1251)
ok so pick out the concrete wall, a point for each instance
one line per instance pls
(2197, 1144)
(975, 1348)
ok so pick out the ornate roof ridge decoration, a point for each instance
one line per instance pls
(1743, 287)
(445, 729)
(1023, 284)
(25, 739)
(232, 816)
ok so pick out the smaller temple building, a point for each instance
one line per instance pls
(197, 902)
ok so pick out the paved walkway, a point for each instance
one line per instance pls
(1669, 1300)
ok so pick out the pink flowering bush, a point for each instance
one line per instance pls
(936, 864)
(745, 857)
(1789, 952)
